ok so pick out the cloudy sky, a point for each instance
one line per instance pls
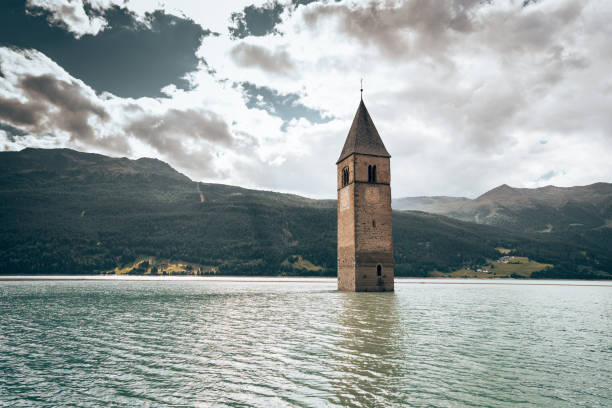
(466, 94)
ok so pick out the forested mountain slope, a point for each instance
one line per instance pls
(62, 211)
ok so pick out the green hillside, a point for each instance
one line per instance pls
(63, 211)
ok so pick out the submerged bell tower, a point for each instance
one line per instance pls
(365, 243)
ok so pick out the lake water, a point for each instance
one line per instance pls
(268, 343)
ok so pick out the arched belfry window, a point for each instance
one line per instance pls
(371, 174)
(345, 176)
(379, 270)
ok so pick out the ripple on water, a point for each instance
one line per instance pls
(203, 343)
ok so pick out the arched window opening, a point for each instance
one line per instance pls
(379, 270)
(373, 174)
(369, 174)
(374, 223)
(345, 176)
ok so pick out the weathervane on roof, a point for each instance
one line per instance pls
(361, 89)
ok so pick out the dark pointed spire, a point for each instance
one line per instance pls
(363, 138)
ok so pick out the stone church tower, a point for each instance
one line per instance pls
(365, 244)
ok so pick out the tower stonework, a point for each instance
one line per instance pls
(365, 243)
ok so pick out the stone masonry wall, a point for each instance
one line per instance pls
(346, 228)
(364, 226)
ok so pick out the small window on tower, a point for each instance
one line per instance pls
(374, 223)
(345, 176)
(378, 270)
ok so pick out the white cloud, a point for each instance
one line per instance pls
(214, 16)
(208, 133)
(462, 92)
(71, 14)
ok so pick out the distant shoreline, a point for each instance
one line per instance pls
(282, 279)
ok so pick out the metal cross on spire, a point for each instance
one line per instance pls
(361, 89)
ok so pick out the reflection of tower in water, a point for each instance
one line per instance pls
(368, 361)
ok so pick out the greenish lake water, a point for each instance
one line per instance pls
(269, 343)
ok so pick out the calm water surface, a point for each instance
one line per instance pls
(238, 343)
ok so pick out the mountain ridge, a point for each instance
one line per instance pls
(527, 210)
(63, 211)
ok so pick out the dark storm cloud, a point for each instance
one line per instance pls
(197, 124)
(129, 58)
(249, 56)
(530, 30)
(285, 106)
(384, 27)
(48, 105)
(434, 26)
(63, 95)
(19, 113)
(52, 104)
(170, 134)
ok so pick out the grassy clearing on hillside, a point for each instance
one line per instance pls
(520, 267)
(299, 263)
(524, 267)
(152, 266)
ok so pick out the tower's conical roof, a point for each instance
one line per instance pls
(363, 137)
